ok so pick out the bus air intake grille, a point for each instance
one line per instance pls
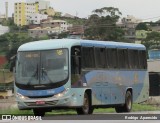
(47, 103)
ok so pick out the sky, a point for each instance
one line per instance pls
(147, 10)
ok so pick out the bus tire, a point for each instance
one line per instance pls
(86, 108)
(39, 112)
(127, 107)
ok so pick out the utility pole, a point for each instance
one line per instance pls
(76, 14)
(6, 3)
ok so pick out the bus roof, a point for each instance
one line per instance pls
(67, 43)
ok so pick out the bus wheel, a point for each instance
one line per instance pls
(39, 112)
(127, 107)
(86, 108)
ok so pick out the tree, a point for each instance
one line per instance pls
(152, 40)
(101, 25)
(142, 26)
(63, 35)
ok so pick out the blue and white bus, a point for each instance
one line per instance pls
(80, 74)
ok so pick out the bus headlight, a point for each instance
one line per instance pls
(61, 93)
(21, 96)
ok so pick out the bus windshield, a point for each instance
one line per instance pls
(35, 68)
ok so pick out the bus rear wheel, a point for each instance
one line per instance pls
(39, 112)
(86, 108)
(127, 107)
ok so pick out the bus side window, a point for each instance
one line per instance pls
(121, 60)
(133, 59)
(112, 58)
(88, 60)
(100, 57)
(76, 60)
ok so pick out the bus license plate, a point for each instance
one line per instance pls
(40, 102)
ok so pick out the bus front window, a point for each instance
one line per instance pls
(42, 68)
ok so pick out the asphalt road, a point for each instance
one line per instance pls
(151, 115)
(141, 117)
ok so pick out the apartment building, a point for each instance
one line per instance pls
(41, 4)
(20, 14)
(22, 10)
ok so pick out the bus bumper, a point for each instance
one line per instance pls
(71, 101)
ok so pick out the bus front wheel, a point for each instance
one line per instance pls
(86, 108)
(128, 104)
(38, 112)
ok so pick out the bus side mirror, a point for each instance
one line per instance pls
(12, 63)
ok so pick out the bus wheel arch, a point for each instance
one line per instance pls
(87, 103)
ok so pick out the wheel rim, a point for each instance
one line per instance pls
(129, 102)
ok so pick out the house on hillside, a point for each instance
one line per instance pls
(128, 24)
(63, 25)
(42, 32)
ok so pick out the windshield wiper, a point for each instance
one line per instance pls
(35, 74)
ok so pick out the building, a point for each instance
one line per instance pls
(22, 10)
(2, 17)
(50, 11)
(76, 29)
(42, 4)
(129, 24)
(36, 18)
(3, 29)
(31, 8)
(61, 24)
(42, 32)
(20, 14)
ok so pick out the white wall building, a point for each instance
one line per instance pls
(130, 21)
(42, 4)
(35, 18)
(63, 25)
(3, 29)
(30, 9)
